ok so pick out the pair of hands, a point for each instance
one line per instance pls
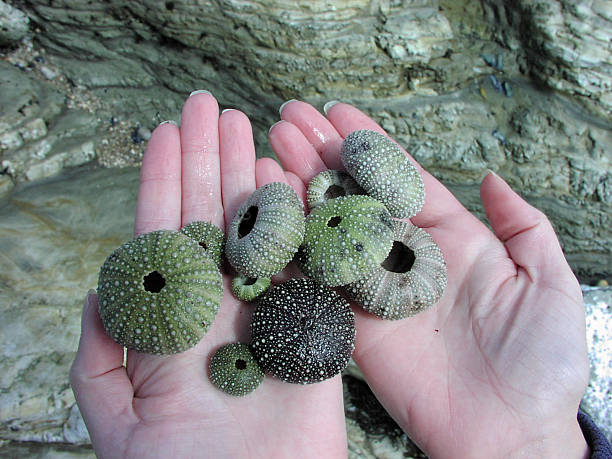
(496, 368)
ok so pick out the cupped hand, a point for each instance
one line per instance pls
(498, 366)
(166, 406)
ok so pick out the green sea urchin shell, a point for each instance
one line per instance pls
(412, 277)
(384, 171)
(159, 293)
(266, 231)
(209, 237)
(249, 288)
(331, 184)
(234, 370)
(346, 238)
(302, 332)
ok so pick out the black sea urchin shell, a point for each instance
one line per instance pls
(266, 231)
(331, 184)
(346, 238)
(209, 237)
(234, 370)
(249, 288)
(159, 293)
(412, 277)
(384, 171)
(302, 332)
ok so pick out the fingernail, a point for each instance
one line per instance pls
(329, 105)
(89, 298)
(228, 110)
(280, 110)
(487, 172)
(168, 122)
(270, 130)
(200, 91)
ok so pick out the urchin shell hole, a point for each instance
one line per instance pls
(203, 245)
(250, 281)
(248, 221)
(241, 364)
(400, 259)
(154, 282)
(334, 221)
(334, 191)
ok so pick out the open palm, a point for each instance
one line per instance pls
(498, 366)
(166, 406)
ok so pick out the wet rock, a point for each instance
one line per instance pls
(14, 24)
(54, 235)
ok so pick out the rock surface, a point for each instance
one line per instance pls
(14, 24)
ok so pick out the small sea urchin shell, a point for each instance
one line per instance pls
(266, 231)
(331, 184)
(346, 238)
(302, 332)
(159, 293)
(249, 288)
(412, 277)
(384, 171)
(234, 371)
(209, 237)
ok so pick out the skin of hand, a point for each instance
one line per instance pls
(166, 406)
(498, 366)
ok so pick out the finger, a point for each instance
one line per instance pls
(237, 153)
(294, 151)
(319, 132)
(526, 232)
(297, 184)
(267, 171)
(159, 195)
(201, 177)
(100, 383)
(441, 208)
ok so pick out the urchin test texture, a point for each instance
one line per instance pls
(266, 231)
(346, 238)
(302, 332)
(384, 171)
(209, 237)
(159, 293)
(411, 279)
(331, 184)
(249, 288)
(234, 370)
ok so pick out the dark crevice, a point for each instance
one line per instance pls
(248, 221)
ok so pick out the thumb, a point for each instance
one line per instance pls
(99, 380)
(525, 231)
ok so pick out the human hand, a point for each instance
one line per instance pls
(166, 406)
(498, 366)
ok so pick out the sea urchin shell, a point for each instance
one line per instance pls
(331, 184)
(346, 238)
(234, 371)
(384, 171)
(412, 277)
(209, 237)
(266, 231)
(159, 293)
(249, 288)
(302, 332)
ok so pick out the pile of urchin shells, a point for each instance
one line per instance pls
(160, 292)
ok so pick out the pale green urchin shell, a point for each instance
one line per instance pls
(248, 288)
(159, 293)
(266, 231)
(346, 238)
(331, 184)
(412, 277)
(302, 332)
(209, 237)
(384, 171)
(234, 370)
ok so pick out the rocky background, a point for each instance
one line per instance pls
(523, 87)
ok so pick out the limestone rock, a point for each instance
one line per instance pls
(54, 236)
(14, 24)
